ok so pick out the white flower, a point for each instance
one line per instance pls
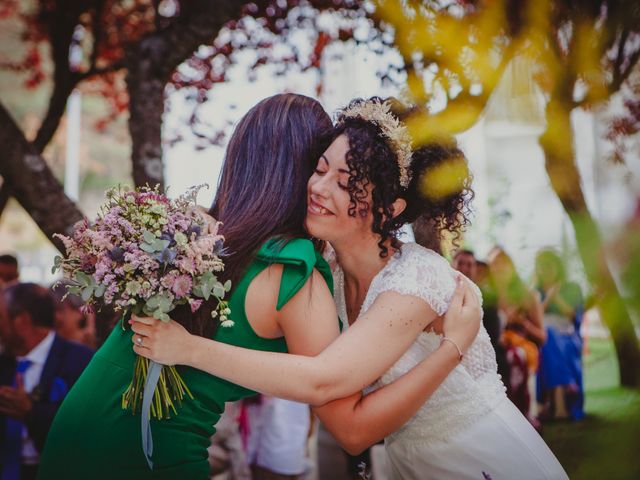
(227, 323)
(214, 314)
(133, 287)
(180, 238)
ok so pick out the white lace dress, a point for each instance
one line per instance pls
(468, 429)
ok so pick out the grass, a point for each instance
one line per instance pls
(606, 444)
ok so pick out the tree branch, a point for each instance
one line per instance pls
(617, 83)
(32, 183)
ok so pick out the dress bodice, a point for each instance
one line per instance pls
(474, 387)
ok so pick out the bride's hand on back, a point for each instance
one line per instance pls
(163, 342)
(462, 321)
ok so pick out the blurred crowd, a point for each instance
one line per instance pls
(47, 337)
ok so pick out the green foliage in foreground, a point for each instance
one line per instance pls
(606, 444)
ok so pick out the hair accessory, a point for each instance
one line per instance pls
(379, 112)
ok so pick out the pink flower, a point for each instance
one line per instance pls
(194, 304)
(182, 285)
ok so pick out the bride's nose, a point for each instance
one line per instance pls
(319, 186)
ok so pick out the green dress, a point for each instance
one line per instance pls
(93, 437)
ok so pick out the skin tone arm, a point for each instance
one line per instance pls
(333, 372)
(356, 359)
(534, 325)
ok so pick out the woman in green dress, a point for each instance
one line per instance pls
(274, 268)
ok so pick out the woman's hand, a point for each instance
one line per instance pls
(167, 343)
(462, 321)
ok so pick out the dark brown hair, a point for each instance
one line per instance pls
(31, 299)
(263, 185)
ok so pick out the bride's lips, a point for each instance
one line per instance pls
(317, 209)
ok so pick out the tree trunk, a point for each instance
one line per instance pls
(146, 107)
(557, 144)
(33, 184)
(150, 64)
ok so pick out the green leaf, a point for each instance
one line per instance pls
(197, 291)
(227, 285)
(57, 263)
(86, 293)
(160, 315)
(205, 284)
(160, 244)
(218, 290)
(160, 302)
(83, 279)
(148, 237)
(76, 290)
(147, 247)
(99, 291)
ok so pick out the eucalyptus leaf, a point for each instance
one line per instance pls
(227, 285)
(86, 293)
(219, 291)
(146, 247)
(100, 289)
(83, 279)
(149, 237)
(57, 263)
(160, 244)
(76, 290)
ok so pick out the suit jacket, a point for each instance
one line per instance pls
(63, 366)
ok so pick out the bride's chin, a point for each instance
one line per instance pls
(316, 232)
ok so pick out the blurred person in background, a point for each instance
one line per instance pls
(227, 454)
(278, 438)
(466, 263)
(37, 370)
(523, 333)
(72, 321)
(9, 271)
(560, 388)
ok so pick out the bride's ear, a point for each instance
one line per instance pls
(398, 206)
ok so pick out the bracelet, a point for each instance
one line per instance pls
(447, 339)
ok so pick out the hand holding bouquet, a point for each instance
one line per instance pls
(148, 255)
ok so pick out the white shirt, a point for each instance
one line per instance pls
(38, 357)
(278, 436)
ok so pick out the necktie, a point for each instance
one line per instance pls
(12, 449)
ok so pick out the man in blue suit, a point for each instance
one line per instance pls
(37, 369)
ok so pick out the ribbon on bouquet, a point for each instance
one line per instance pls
(153, 375)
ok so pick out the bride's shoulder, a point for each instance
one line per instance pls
(420, 272)
(412, 253)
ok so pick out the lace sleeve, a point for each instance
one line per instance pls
(419, 272)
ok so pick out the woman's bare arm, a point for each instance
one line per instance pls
(353, 361)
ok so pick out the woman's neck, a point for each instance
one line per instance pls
(360, 261)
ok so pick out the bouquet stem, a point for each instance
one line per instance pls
(168, 394)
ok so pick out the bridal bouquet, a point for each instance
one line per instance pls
(146, 254)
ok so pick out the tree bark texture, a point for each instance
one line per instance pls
(33, 184)
(150, 64)
(557, 144)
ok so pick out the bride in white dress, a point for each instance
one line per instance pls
(467, 429)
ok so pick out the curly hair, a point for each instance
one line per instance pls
(440, 188)
(373, 166)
